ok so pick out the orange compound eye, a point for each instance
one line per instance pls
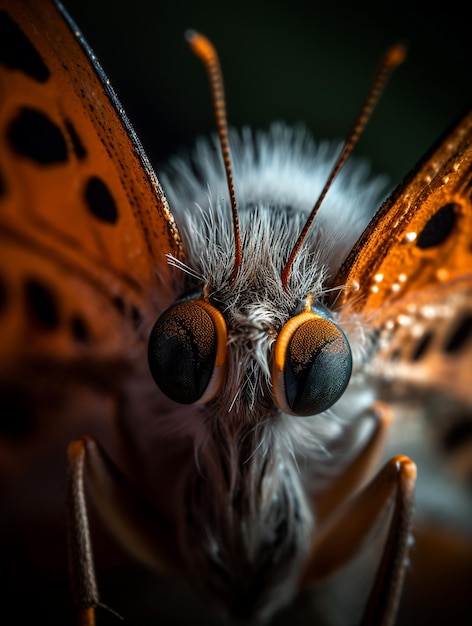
(187, 351)
(312, 364)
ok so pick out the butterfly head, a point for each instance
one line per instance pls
(309, 362)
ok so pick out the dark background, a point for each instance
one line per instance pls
(289, 60)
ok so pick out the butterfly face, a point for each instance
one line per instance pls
(230, 412)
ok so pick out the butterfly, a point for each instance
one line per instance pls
(255, 451)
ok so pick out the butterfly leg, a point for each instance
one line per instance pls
(362, 466)
(81, 566)
(341, 537)
(135, 526)
(399, 476)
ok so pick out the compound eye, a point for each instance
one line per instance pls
(187, 351)
(312, 364)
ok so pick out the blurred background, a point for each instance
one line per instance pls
(293, 61)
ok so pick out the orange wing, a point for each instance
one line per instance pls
(84, 230)
(422, 234)
(410, 278)
(84, 225)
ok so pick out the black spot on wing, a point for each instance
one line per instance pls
(32, 134)
(461, 334)
(422, 347)
(79, 330)
(100, 201)
(18, 53)
(41, 305)
(119, 304)
(439, 227)
(128, 311)
(136, 317)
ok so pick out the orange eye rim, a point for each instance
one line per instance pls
(187, 351)
(221, 358)
(279, 357)
(312, 364)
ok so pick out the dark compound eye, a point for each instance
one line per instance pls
(187, 351)
(312, 364)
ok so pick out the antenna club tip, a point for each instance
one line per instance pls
(396, 54)
(200, 45)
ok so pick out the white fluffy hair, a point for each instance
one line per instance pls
(247, 497)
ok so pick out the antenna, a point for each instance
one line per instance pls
(205, 50)
(393, 57)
